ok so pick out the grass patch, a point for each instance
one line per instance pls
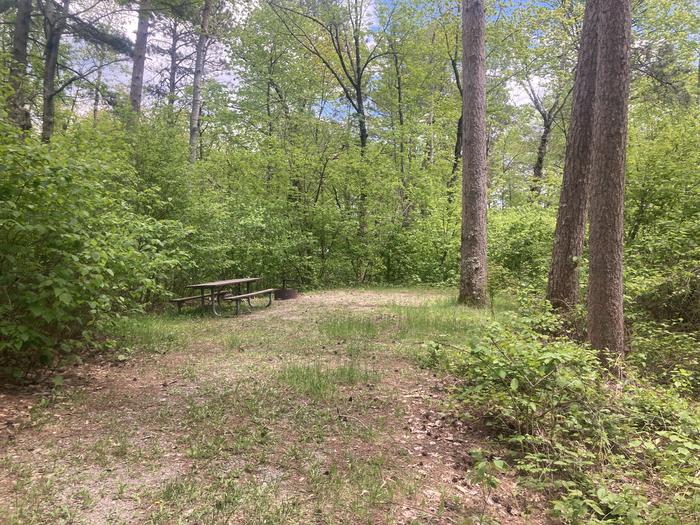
(224, 499)
(353, 486)
(224, 421)
(319, 383)
(349, 327)
(158, 334)
(233, 342)
(441, 320)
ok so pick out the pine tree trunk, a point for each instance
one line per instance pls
(197, 82)
(136, 88)
(17, 113)
(605, 292)
(472, 288)
(563, 282)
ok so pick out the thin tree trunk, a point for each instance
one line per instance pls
(96, 98)
(406, 208)
(472, 288)
(172, 73)
(399, 102)
(197, 82)
(563, 281)
(98, 85)
(16, 110)
(538, 167)
(605, 286)
(54, 25)
(136, 89)
(457, 155)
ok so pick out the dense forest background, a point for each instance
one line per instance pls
(317, 142)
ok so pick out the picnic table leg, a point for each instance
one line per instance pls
(201, 292)
(214, 292)
(247, 287)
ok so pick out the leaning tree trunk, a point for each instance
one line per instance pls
(472, 288)
(563, 282)
(54, 25)
(197, 82)
(16, 111)
(136, 88)
(605, 292)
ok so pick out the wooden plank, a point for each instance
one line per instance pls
(183, 299)
(227, 282)
(229, 297)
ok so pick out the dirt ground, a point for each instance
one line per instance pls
(298, 413)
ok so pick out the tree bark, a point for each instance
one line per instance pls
(457, 154)
(563, 281)
(605, 286)
(54, 25)
(538, 167)
(172, 73)
(96, 94)
(472, 288)
(197, 82)
(136, 88)
(16, 110)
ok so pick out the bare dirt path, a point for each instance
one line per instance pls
(311, 411)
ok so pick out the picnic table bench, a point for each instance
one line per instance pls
(214, 292)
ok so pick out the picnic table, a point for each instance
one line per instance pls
(214, 292)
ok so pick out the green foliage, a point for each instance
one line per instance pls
(520, 245)
(598, 443)
(74, 249)
(663, 217)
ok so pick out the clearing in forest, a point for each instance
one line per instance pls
(312, 411)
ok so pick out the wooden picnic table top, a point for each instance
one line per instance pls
(227, 282)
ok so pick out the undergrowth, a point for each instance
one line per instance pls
(605, 449)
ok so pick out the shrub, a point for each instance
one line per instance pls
(599, 445)
(73, 249)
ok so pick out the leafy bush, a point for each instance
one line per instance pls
(520, 246)
(73, 249)
(601, 446)
(667, 356)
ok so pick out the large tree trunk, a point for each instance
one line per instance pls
(472, 288)
(136, 89)
(54, 25)
(18, 67)
(197, 82)
(563, 282)
(605, 293)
